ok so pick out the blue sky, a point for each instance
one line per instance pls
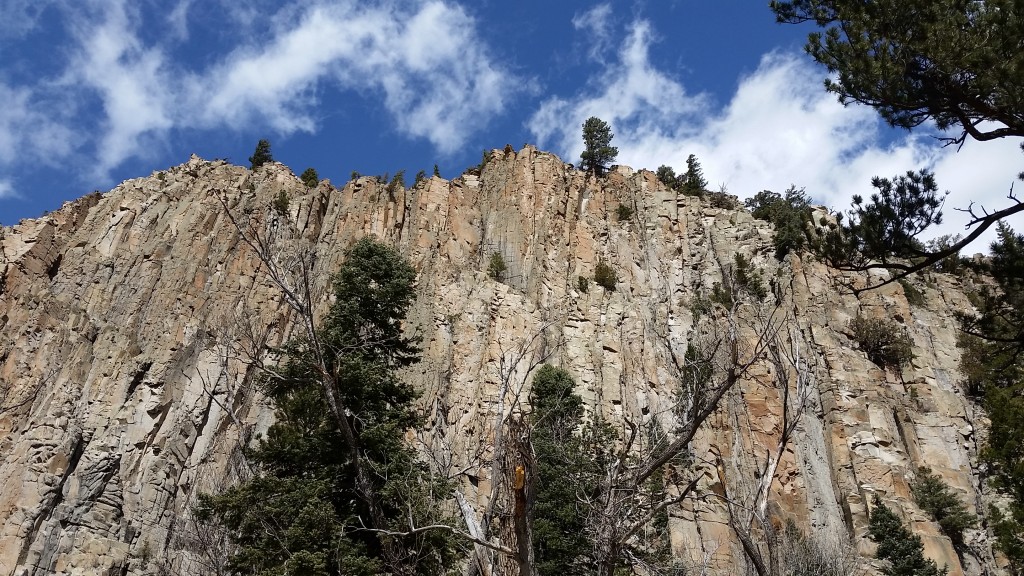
(98, 91)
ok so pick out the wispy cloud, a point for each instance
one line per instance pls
(7, 190)
(436, 76)
(132, 81)
(779, 128)
(597, 25)
(432, 71)
(28, 134)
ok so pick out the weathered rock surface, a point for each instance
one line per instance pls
(119, 404)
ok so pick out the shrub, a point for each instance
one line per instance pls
(397, 184)
(744, 278)
(496, 268)
(667, 176)
(582, 284)
(914, 296)
(722, 199)
(789, 213)
(281, 203)
(886, 343)
(420, 177)
(605, 277)
(943, 505)
(624, 212)
(748, 277)
(310, 178)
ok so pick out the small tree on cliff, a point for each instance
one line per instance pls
(262, 154)
(899, 547)
(597, 148)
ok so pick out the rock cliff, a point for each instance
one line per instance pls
(124, 392)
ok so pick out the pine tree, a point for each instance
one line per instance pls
(262, 154)
(568, 462)
(902, 549)
(310, 178)
(322, 492)
(945, 63)
(992, 344)
(693, 181)
(597, 148)
(940, 502)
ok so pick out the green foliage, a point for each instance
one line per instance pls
(700, 305)
(605, 277)
(692, 182)
(914, 296)
(667, 176)
(262, 154)
(569, 457)
(598, 151)
(437, 171)
(991, 347)
(901, 549)
(952, 62)
(354, 175)
(420, 177)
(582, 284)
(943, 505)
(887, 227)
(310, 178)
(953, 264)
(320, 477)
(281, 203)
(790, 213)
(742, 278)
(397, 184)
(885, 341)
(624, 212)
(496, 268)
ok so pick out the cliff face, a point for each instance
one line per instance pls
(124, 392)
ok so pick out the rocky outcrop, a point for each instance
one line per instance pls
(123, 392)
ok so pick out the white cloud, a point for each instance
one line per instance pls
(596, 22)
(177, 19)
(779, 128)
(435, 74)
(131, 80)
(7, 190)
(21, 16)
(28, 134)
(432, 71)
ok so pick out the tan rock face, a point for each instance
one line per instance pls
(123, 397)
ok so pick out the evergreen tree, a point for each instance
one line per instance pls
(262, 154)
(566, 469)
(790, 213)
(693, 182)
(898, 546)
(943, 505)
(310, 178)
(323, 491)
(667, 176)
(597, 148)
(950, 62)
(992, 344)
